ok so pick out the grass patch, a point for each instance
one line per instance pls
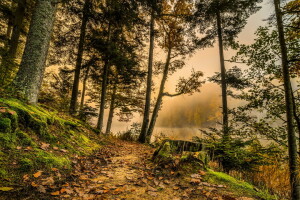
(238, 187)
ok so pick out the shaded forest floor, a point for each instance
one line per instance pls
(121, 170)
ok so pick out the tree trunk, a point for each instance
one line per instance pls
(223, 80)
(30, 75)
(103, 95)
(84, 87)
(292, 141)
(103, 87)
(85, 16)
(142, 137)
(9, 25)
(111, 110)
(18, 25)
(159, 98)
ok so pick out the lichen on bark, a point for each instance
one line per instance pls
(30, 75)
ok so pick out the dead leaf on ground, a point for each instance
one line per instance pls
(56, 193)
(54, 169)
(48, 181)
(195, 181)
(202, 173)
(25, 177)
(5, 189)
(44, 146)
(33, 184)
(41, 189)
(37, 174)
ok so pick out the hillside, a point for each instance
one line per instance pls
(45, 155)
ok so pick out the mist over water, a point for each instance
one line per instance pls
(182, 117)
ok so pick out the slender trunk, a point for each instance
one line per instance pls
(142, 137)
(223, 79)
(103, 95)
(111, 110)
(292, 141)
(13, 35)
(9, 25)
(30, 75)
(159, 97)
(18, 25)
(103, 88)
(84, 87)
(85, 16)
(297, 119)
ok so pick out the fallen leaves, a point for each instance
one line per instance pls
(44, 146)
(56, 193)
(37, 174)
(5, 189)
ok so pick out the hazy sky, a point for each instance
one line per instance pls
(206, 60)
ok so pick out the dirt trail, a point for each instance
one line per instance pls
(122, 170)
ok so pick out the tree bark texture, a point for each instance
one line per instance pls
(292, 141)
(111, 110)
(103, 95)
(30, 75)
(223, 79)
(144, 129)
(86, 76)
(159, 98)
(74, 96)
(103, 87)
(17, 27)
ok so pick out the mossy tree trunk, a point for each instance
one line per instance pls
(84, 22)
(30, 75)
(160, 96)
(292, 141)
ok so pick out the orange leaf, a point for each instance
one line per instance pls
(54, 169)
(63, 190)
(33, 184)
(25, 177)
(55, 193)
(36, 175)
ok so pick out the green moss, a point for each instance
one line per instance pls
(24, 139)
(5, 125)
(50, 160)
(3, 173)
(26, 125)
(26, 164)
(237, 186)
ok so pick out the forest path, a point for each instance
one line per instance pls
(124, 170)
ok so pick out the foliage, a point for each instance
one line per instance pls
(132, 134)
(237, 154)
